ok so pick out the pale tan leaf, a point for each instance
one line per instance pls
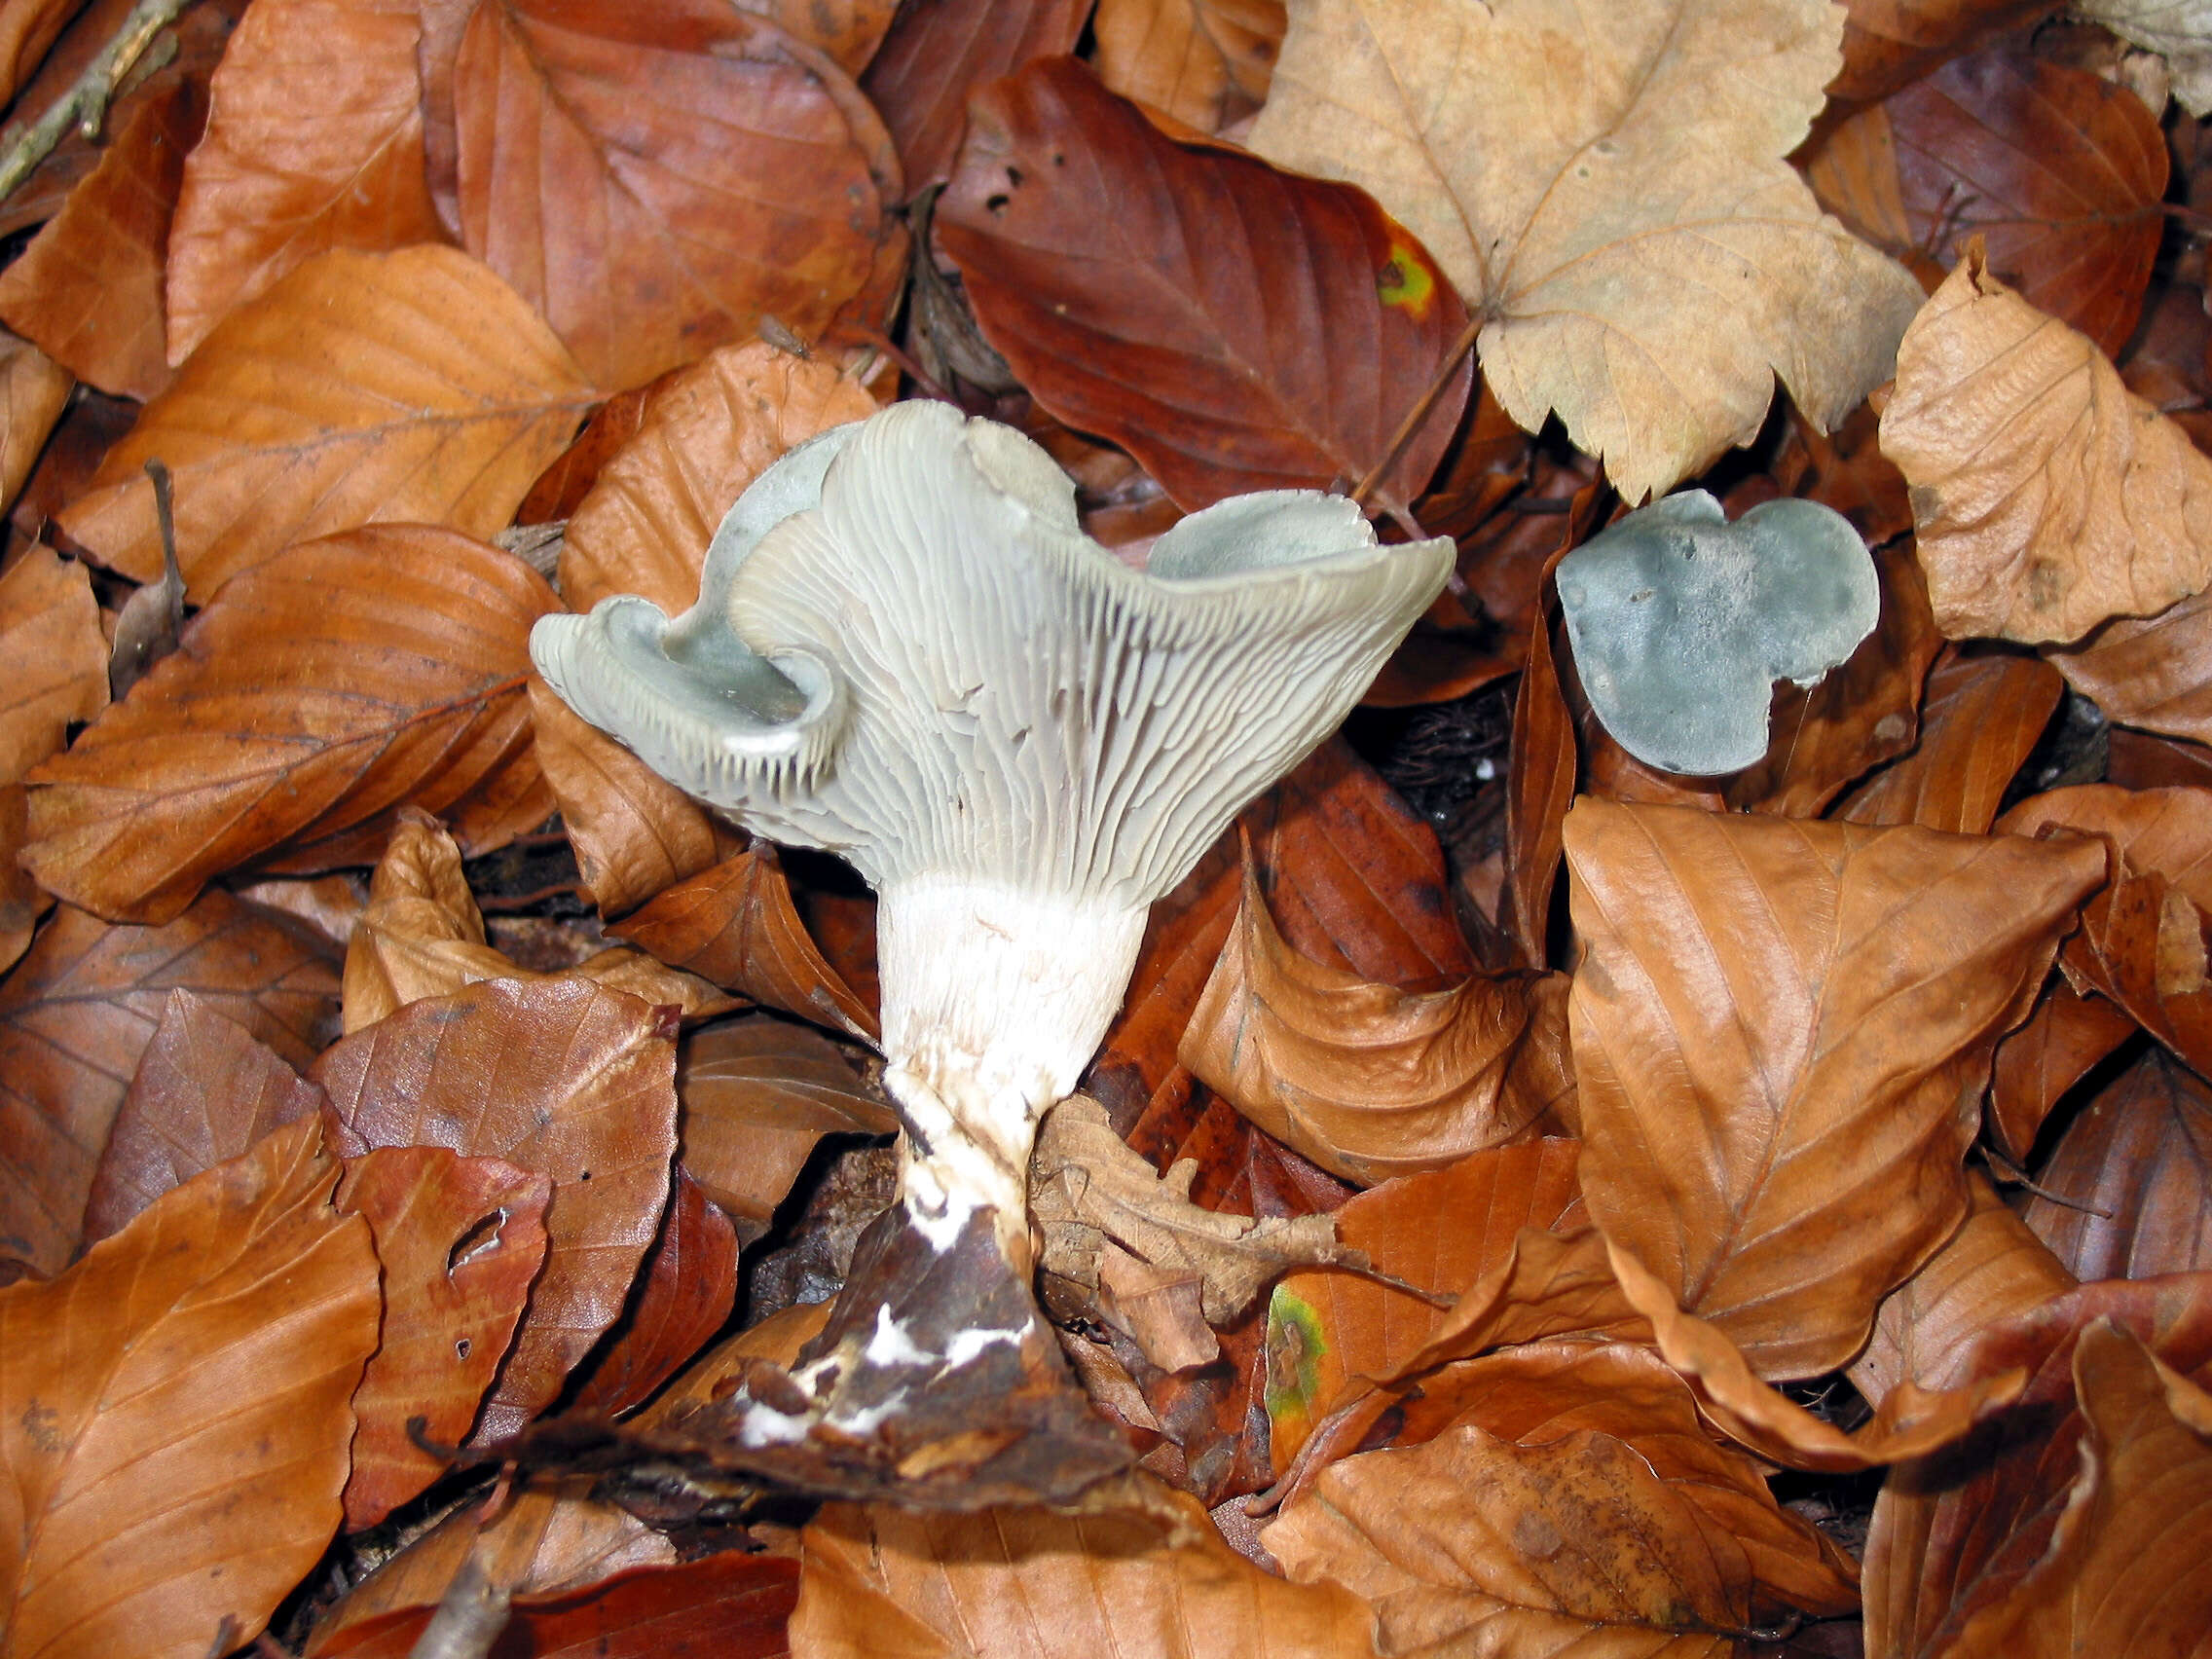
(340, 678)
(412, 386)
(50, 639)
(314, 141)
(2046, 496)
(1781, 1031)
(1607, 189)
(705, 436)
(1206, 62)
(174, 1417)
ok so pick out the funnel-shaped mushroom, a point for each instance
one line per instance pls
(907, 653)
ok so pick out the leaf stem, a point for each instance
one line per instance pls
(85, 104)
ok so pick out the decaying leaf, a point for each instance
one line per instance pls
(2130, 1182)
(1366, 1079)
(412, 386)
(596, 1113)
(335, 681)
(2046, 496)
(1206, 62)
(1607, 192)
(1782, 1030)
(174, 1418)
(76, 1017)
(1284, 354)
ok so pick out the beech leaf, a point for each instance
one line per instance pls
(1980, 719)
(684, 1295)
(50, 637)
(1608, 194)
(934, 56)
(2154, 674)
(2130, 1183)
(34, 389)
(1206, 62)
(174, 1418)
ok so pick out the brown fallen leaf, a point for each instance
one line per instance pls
(934, 57)
(1205, 63)
(452, 1301)
(314, 141)
(1367, 1081)
(1283, 355)
(205, 1089)
(683, 1296)
(28, 28)
(2046, 496)
(21, 899)
(654, 186)
(1981, 719)
(89, 286)
(2142, 943)
(2067, 1035)
(77, 1015)
(758, 1093)
(174, 1418)
(735, 924)
(2128, 1180)
(1138, 1571)
(338, 680)
(50, 637)
(1888, 44)
(1540, 788)
(594, 1110)
(1644, 260)
(2166, 830)
(702, 436)
(412, 386)
(34, 389)
(1782, 1030)
(2150, 674)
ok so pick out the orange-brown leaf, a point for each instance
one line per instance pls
(174, 1417)
(28, 27)
(451, 1305)
(559, 1077)
(656, 184)
(22, 901)
(2068, 1033)
(34, 389)
(1206, 62)
(407, 387)
(684, 1297)
(2154, 674)
(335, 680)
(1781, 1029)
(1981, 718)
(2131, 1183)
(2168, 831)
(314, 141)
(50, 637)
(76, 1015)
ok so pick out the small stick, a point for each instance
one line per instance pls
(85, 104)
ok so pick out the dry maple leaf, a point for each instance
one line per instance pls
(2046, 496)
(1607, 190)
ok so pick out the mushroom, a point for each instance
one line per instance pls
(906, 652)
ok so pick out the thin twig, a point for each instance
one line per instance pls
(1417, 415)
(85, 104)
(2010, 1174)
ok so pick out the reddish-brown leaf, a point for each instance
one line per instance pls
(559, 1077)
(451, 1304)
(34, 390)
(684, 1297)
(2036, 1064)
(28, 27)
(207, 1088)
(2140, 761)
(2142, 943)
(934, 57)
(1205, 63)
(89, 288)
(562, 487)
(2155, 674)
(50, 637)
(1232, 326)
(402, 386)
(1889, 43)
(656, 183)
(317, 691)
(314, 141)
(174, 1416)
(2166, 830)
(1781, 1029)
(758, 1093)
(735, 924)
(21, 899)
(1540, 788)
(76, 1017)
(2131, 1180)
(1981, 718)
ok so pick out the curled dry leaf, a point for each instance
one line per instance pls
(1782, 1030)
(655, 185)
(758, 1094)
(1288, 325)
(173, 1418)
(1205, 63)
(703, 436)
(1982, 718)
(683, 1296)
(1138, 1570)
(2167, 830)
(735, 924)
(1609, 195)
(89, 286)
(934, 57)
(2131, 1180)
(34, 389)
(2046, 496)
(1366, 1079)
(50, 637)
(2142, 944)
(205, 1089)
(314, 141)
(2154, 674)
(335, 681)
(412, 386)
(451, 1305)
(77, 1015)
(2068, 1033)
(559, 1077)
